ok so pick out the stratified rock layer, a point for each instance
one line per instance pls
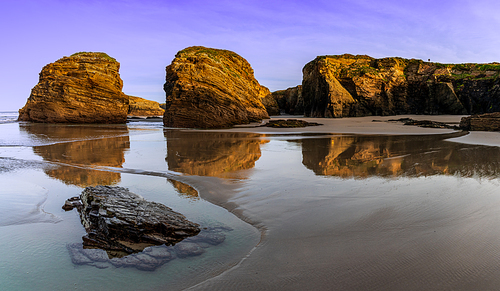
(143, 107)
(211, 88)
(118, 220)
(348, 85)
(290, 100)
(82, 88)
(481, 122)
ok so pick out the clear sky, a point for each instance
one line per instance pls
(277, 37)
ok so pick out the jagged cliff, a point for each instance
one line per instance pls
(83, 88)
(211, 88)
(143, 107)
(348, 85)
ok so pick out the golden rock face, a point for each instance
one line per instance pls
(211, 88)
(349, 85)
(82, 88)
(143, 107)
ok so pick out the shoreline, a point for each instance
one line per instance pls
(255, 261)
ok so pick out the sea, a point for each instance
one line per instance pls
(294, 211)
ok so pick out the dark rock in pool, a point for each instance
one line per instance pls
(123, 222)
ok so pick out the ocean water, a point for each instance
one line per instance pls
(8, 116)
(357, 212)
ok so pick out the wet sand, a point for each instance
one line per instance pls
(320, 232)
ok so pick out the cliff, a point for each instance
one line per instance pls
(143, 107)
(348, 85)
(83, 88)
(211, 88)
(290, 100)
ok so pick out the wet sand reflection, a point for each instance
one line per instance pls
(391, 156)
(216, 154)
(81, 146)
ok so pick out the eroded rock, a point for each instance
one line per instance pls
(211, 88)
(359, 85)
(143, 107)
(481, 122)
(123, 222)
(83, 88)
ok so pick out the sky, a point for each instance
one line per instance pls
(276, 37)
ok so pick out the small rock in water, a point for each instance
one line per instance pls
(188, 249)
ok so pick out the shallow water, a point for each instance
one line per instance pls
(353, 211)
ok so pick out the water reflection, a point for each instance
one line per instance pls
(218, 154)
(390, 156)
(81, 146)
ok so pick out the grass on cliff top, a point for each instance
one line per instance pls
(210, 52)
(95, 54)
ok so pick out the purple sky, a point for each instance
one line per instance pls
(277, 37)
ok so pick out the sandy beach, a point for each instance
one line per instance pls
(353, 204)
(422, 232)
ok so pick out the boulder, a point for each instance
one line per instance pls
(83, 88)
(123, 222)
(143, 107)
(481, 122)
(211, 88)
(349, 85)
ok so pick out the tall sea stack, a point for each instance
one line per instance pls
(83, 88)
(211, 88)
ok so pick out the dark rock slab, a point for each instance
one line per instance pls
(481, 122)
(290, 123)
(425, 123)
(123, 222)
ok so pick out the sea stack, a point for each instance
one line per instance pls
(211, 88)
(359, 85)
(83, 88)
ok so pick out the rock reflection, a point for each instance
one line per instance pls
(218, 154)
(81, 147)
(391, 156)
(184, 190)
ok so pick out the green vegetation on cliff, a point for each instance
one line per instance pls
(95, 54)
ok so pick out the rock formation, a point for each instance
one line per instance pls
(211, 88)
(143, 107)
(290, 100)
(83, 88)
(481, 122)
(120, 221)
(348, 85)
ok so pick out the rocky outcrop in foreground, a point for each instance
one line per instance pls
(143, 107)
(211, 88)
(348, 85)
(83, 88)
(122, 222)
(481, 122)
